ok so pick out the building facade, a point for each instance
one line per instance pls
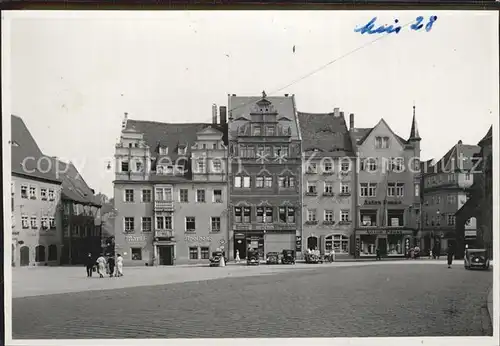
(170, 192)
(328, 183)
(388, 202)
(264, 175)
(445, 189)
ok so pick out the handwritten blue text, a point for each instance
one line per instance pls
(372, 27)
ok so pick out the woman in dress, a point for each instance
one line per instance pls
(101, 266)
(237, 258)
(119, 265)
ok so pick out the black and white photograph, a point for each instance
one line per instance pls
(222, 175)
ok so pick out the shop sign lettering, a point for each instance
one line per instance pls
(135, 238)
(369, 202)
(194, 238)
(377, 231)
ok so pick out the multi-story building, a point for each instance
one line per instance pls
(445, 188)
(328, 182)
(265, 175)
(170, 191)
(35, 202)
(388, 189)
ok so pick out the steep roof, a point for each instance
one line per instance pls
(325, 132)
(414, 135)
(26, 154)
(361, 134)
(488, 137)
(460, 156)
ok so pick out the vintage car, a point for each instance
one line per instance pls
(313, 258)
(216, 257)
(476, 258)
(253, 257)
(272, 258)
(288, 257)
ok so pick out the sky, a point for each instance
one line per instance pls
(72, 75)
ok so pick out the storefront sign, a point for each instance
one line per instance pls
(195, 238)
(358, 246)
(298, 243)
(384, 231)
(242, 227)
(471, 233)
(135, 239)
(369, 202)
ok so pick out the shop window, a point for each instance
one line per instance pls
(368, 242)
(394, 244)
(395, 217)
(193, 253)
(136, 253)
(205, 253)
(339, 242)
(368, 217)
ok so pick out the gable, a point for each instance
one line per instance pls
(382, 129)
(209, 130)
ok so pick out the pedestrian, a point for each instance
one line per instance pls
(450, 254)
(89, 263)
(237, 258)
(111, 265)
(438, 250)
(430, 254)
(332, 255)
(119, 265)
(377, 251)
(101, 266)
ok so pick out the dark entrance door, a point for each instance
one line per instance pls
(166, 255)
(312, 243)
(240, 245)
(382, 245)
(25, 256)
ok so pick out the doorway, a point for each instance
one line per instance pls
(239, 244)
(382, 246)
(312, 242)
(25, 256)
(166, 255)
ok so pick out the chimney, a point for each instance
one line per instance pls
(124, 122)
(336, 112)
(222, 114)
(214, 114)
(351, 121)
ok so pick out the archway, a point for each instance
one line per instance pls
(312, 242)
(52, 252)
(40, 253)
(339, 242)
(25, 256)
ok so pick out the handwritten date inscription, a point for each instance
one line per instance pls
(372, 27)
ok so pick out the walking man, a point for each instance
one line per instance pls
(89, 263)
(451, 253)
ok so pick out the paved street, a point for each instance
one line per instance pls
(408, 298)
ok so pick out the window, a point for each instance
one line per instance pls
(260, 215)
(246, 214)
(200, 165)
(467, 176)
(327, 167)
(168, 222)
(395, 189)
(163, 150)
(368, 217)
(370, 165)
(268, 182)
(52, 222)
(438, 199)
(264, 214)
(256, 131)
(328, 187)
(205, 253)
(397, 164)
(193, 253)
(269, 130)
(395, 217)
(45, 222)
(125, 167)
(259, 182)
(237, 181)
(183, 196)
(329, 215)
(291, 215)
(311, 214)
(345, 216)
(246, 182)
(190, 223)
(451, 220)
(159, 222)
(24, 191)
(146, 224)
(238, 212)
(417, 190)
(242, 181)
(43, 194)
(136, 253)
(381, 142)
(204, 145)
(163, 194)
(215, 222)
(129, 224)
(129, 195)
(338, 242)
(214, 146)
(138, 166)
(451, 199)
(368, 189)
(311, 188)
(282, 214)
(344, 188)
(216, 166)
(146, 196)
(24, 221)
(312, 168)
(217, 196)
(200, 196)
(33, 192)
(345, 166)
(286, 182)
(34, 222)
(182, 151)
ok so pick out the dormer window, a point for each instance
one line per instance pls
(182, 151)
(381, 142)
(163, 150)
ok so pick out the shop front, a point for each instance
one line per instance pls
(136, 250)
(391, 243)
(263, 239)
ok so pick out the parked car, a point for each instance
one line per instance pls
(476, 258)
(216, 257)
(253, 257)
(288, 257)
(272, 258)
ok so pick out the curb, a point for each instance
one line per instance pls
(490, 304)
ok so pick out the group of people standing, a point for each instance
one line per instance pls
(105, 265)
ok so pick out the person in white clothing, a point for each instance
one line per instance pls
(237, 258)
(119, 265)
(332, 255)
(101, 266)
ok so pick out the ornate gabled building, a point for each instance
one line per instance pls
(264, 175)
(388, 202)
(329, 183)
(170, 191)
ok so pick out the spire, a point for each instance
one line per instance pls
(414, 129)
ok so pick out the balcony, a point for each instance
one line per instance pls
(164, 233)
(164, 205)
